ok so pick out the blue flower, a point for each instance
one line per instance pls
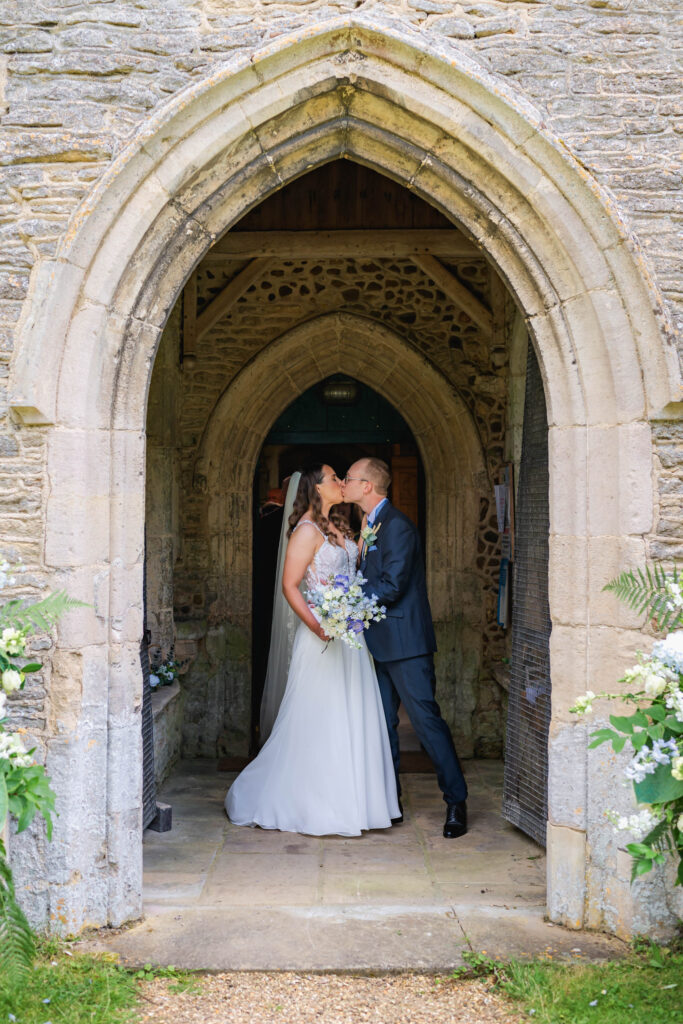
(670, 650)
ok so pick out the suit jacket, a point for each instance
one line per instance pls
(395, 573)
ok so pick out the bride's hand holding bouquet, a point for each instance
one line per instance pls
(342, 607)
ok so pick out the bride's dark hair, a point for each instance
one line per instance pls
(307, 496)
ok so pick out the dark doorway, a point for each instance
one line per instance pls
(338, 421)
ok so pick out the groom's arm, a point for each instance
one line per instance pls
(398, 550)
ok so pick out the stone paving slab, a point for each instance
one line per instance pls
(220, 897)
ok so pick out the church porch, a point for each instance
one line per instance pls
(220, 897)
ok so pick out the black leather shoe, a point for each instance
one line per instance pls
(456, 820)
(399, 820)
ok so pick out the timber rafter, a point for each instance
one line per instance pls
(389, 243)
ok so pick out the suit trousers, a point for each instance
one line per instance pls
(411, 681)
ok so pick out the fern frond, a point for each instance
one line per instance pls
(645, 592)
(40, 615)
(17, 946)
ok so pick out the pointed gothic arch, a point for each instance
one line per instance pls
(436, 122)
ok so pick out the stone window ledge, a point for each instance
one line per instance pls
(162, 697)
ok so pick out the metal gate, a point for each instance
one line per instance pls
(149, 789)
(525, 790)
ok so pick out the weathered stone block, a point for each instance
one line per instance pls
(566, 852)
(456, 28)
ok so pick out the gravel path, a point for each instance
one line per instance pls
(293, 998)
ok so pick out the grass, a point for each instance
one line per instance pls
(68, 987)
(646, 987)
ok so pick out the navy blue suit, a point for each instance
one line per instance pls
(403, 645)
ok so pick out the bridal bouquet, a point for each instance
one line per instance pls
(343, 608)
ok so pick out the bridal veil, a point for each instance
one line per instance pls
(285, 623)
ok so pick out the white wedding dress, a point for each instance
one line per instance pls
(326, 768)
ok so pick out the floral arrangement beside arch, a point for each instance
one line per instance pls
(654, 729)
(24, 785)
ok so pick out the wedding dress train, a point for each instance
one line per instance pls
(326, 768)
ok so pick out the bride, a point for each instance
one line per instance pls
(326, 767)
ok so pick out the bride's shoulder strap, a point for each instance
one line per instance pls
(308, 522)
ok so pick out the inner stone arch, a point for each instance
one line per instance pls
(457, 483)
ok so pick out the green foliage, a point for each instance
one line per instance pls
(479, 965)
(16, 939)
(24, 786)
(39, 616)
(658, 788)
(645, 591)
(81, 988)
(28, 792)
(70, 987)
(643, 988)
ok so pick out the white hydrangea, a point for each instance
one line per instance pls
(679, 823)
(669, 651)
(11, 680)
(3, 704)
(674, 702)
(677, 768)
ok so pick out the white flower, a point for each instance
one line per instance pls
(638, 824)
(583, 705)
(677, 771)
(13, 641)
(675, 597)
(679, 823)
(3, 704)
(11, 680)
(654, 684)
(12, 748)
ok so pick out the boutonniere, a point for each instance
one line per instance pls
(369, 535)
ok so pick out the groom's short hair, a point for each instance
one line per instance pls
(378, 474)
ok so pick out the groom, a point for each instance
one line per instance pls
(403, 643)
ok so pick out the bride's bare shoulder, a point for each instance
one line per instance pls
(303, 539)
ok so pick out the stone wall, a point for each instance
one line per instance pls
(77, 81)
(78, 84)
(167, 712)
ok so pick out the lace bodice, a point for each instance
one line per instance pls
(329, 559)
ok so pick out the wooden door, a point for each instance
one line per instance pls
(404, 485)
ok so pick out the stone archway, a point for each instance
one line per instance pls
(444, 128)
(451, 453)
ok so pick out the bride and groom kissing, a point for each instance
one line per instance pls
(330, 761)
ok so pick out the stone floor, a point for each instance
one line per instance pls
(219, 897)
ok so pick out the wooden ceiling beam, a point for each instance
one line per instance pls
(219, 306)
(387, 243)
(456, 291)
